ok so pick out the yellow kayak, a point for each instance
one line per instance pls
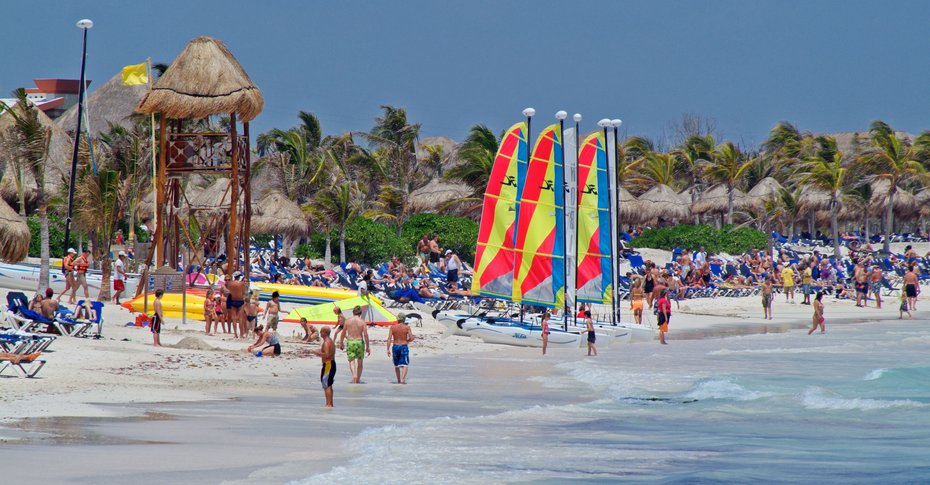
(304, 295)
(171, 304)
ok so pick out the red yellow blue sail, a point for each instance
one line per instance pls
(594, 269)
(494, 254)
(539, 276)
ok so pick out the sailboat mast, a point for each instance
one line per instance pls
(561, 115)
(528, 112)
(577, 119)
(604, 123)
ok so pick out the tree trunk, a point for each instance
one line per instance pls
(43, 243)
(131, 237)
(889, 221)
(812, 226)
(694, 194)
(833, 225)
(104, 278)
(729, 205)
(21, 190)
(328, 253)
(342, 243)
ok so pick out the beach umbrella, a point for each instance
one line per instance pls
(323, 314)
(629, 208)
(112, 103)
(813, 200)
(437, 192)
(715, 200)
(905, 203)
(767, 189)
(204, 79)
(661, 202)
(276, 214)
(14, 235)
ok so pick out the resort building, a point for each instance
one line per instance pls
(52, 96)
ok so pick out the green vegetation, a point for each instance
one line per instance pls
(56, 235)
(728, 239)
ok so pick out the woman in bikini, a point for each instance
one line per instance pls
(649, 285)
(209, 310)
(818, 314)
(544, 323)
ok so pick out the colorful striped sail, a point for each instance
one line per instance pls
(494, 254)
(594, 269)
(539, 277)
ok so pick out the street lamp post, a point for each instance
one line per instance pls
(85, 25)
(615, 225)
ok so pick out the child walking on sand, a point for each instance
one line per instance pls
(767, 298)
(904, 308)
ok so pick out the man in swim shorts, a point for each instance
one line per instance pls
(354, 339)
(398, 339)
(911, 287)
(327, 354)
(875, 285)
(157, 318)
(234, 304)
(272, 310)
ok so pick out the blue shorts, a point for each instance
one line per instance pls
(401, 355)
(806, 288)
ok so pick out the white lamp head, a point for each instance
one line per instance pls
(616, 123)
(604, 123)
(529, 112)
(561, 115)
(577, 117)
(85, 24)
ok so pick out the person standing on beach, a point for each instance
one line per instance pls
(158, 318)
(453, 264)
(327, 354)
(903, 308)
(423, 250)
(340, 321)
(209, 310)
(806, 277)
(119, 276)
(818, 314)
(911, 287)
(767, 298)
(544, 328)
(399, 338)
(67, 267)
(358, 345)
(434, 249)
(665, 315)
(592, 338)
(272, 310)
(636, 300)
(787, 282)
(875, 284)
(80, 269)
(234, 303)
(862, 285)
(649, 282)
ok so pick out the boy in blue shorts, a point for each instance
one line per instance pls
(397, 347)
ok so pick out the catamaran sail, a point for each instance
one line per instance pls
(539, 276)
(494, 254)
(594, 278)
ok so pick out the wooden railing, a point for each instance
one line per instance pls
(204, 152)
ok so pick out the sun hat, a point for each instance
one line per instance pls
(71, 250)
(448, 251)
(121, 253)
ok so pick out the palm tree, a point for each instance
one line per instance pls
(28, 142)
(894, 160)
(659, 168)
(790, 203)
(340, 203)
(476, 157)
(395, 142)
(130, 150)
(99, 201)
(728, 168)
(829, 175)
(692, 154)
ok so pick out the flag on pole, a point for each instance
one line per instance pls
(135, 75)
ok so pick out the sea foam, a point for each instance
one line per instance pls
(724, 389)
(817, 398)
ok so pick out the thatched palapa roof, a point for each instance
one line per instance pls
(905, 203)
(111, 103)
(14, 235)
(714, 201)
(276, 214)
(629, 207)
(205, 79)
(767, 189)
(813, 200)
(661, 201)
(57, 168)
(433, 195)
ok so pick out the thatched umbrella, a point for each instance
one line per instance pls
(433, 195)
(14, 235)
(813, 200)
(715, 201)
(113, 103)
(629, 207)
(767, 189)
(905, 203)
(276, 214)
(661, 201)
(204, 79)
(57, 167)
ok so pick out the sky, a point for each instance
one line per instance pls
(828, 66)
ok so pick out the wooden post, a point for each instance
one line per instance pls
(160, 193)
(175, 206)
(247, 220)
(232, 258)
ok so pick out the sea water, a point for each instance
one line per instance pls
(848, 406)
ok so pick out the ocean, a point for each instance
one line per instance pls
(848, 406)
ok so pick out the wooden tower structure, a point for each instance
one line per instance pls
(204, 80)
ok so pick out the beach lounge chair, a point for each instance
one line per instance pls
(24, 369)
(70, 326)
(20, 316)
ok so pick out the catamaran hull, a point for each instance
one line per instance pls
(25, 277)
(519, 336)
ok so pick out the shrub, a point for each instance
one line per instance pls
(726, 239)
(56, 236)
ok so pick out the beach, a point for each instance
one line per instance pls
(103, 411)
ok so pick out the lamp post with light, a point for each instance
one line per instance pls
(85, 25)
(615, 203)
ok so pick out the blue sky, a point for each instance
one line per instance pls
(826, 65)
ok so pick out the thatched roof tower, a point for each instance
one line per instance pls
(204, 79)
(14, 235)
(111, 103)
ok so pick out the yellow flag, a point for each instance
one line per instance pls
(135, 75)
